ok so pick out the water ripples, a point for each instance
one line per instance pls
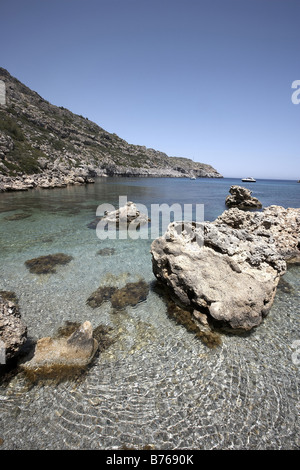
(172, 393)
(156, 384)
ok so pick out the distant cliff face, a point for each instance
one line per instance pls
(37, 137)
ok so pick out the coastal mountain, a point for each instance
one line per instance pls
(39, 138)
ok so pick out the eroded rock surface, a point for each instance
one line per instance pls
(64, 354)
(13, 331)
(121, 219)
(275, 224)
(229, 274)
(241, 197)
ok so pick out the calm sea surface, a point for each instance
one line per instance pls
(156, 384)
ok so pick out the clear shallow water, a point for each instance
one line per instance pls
(156, 384)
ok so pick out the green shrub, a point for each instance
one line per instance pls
(10, 127)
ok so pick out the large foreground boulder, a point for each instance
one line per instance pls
(227, 273)
(13, 331)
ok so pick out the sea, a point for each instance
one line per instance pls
(156, 386)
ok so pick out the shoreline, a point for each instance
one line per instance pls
(79, 177)
(54, 180)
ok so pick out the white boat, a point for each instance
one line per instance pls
(192, 177)
(249, 180)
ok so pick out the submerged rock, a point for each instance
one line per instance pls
(106, 251)
(102, 334)
(64, 356)
(285, 286)
(195, 322)
(9, 295)
(47, 264)
(129, 295)
(241, 198)
(93, 224)
(19, 216)
(13, 331)
(102, 294)
(228, 274)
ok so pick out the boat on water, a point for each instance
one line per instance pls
(249, 180)
(192, 177)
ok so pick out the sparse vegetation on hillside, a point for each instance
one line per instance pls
(42, 131)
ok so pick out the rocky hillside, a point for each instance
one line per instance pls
(43, 140)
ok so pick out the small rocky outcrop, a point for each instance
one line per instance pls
(13, 331)
(63, 355)
(121, 218)
(241, 197)
(126, 215)
(228, 274)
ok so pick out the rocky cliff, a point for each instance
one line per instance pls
(52, 143)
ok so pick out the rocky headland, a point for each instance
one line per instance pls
(43, 145)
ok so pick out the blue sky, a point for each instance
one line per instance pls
(205, 79)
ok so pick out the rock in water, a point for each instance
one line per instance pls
(241, 198)
(47, 264)
(126, 214)
(122, 218)
(226, 273)
(130, 295)
(61, 355)
(13, 331)
(83, 342)
(102, 294)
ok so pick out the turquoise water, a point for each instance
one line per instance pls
(156, 384)
(147, 191)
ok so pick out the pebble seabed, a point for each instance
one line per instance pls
(156, 384)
